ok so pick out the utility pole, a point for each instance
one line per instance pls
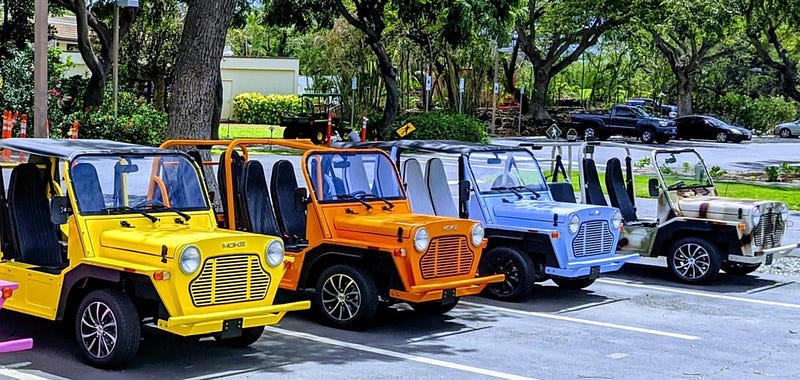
(40, 68)
(495, 88)
(115, 55)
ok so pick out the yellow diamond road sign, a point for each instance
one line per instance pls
(406, 129)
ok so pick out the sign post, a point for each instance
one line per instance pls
(460, 93)
(428, 86)
(553, 132)
(353, 101)
(521, 100)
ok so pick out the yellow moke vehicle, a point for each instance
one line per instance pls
(356, 243)
(115, 235)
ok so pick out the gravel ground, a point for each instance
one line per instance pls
(787, 266)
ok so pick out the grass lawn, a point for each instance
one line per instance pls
(788, 195)
(234, 130)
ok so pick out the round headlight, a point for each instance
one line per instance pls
(616, 220)
(574, 223)
(421, 239)
(477, 235)
(784, 212)
(275, 253)
(189, 259)
(755, 215)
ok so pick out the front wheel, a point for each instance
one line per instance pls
(249, 336)
(785, 133)
(739, 269)
(433, 308)
(515, 265)
(346, 297)
(648, 136)
(589, 133)
(107, 328)
(573, 283)
(694, 260)
(722, 137)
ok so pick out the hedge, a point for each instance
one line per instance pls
(255, 108)
(438, 125)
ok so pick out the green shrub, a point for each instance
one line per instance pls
(255, 108)
(439, 125)
(761, 115)
(136, 122)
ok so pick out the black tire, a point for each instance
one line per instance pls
(118, 320)
(648, 135)
(694, 260)
(662, 139)
(249, 336)
(517, 267)
(573, 283)
(739, 269)
(433, 308)
(291, 132)
(346, 297)
(722, 137)
(590, 131)
(785, 133)
(318, 135)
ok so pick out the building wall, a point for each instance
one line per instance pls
(239, 75)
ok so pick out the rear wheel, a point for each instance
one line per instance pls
(249, 336)
(573, 283)
(648, 136)
(590, 132)
(785, 133)
(107, 328)
(346, 297)
(433, 308)
(739, 269)
(515, 265)
(290, 132)
(693, 260)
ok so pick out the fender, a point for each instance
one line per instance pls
(81, 272)
(720, 233)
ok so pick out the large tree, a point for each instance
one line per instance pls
(99, 18)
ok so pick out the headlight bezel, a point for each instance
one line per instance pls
(616, 219)
(183, 259)
(755, 215)
(422, 239)
(274, 247)
(784, 210)
(574, 223)
(477, 237)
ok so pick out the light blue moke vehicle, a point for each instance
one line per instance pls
(531, 237)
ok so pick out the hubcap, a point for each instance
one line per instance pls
(646, 136)
(508, 266)
(691, 261)
(784, 133)
(721, 137)
(341, 297)
(98, 330)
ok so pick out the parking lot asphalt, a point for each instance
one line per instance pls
(633, 324)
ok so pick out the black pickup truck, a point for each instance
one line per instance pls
(627, 121)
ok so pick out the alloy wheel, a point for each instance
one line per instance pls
(341, 297)
(99, 330)
(691, 261)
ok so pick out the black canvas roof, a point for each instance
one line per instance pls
(68, 148)
(443, 146)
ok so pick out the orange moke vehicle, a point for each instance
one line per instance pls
(357, 246)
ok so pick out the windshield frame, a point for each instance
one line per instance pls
(310, 155)
(156, 159)
(661, 175)
(503, 156)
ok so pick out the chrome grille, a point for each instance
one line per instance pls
(769, 231)
(446, 256)
(593, 238)
(230, 279)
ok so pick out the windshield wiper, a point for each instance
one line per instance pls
(389, 205)
(183, 215)
(348, 196)
(110, 210)
(516, 190)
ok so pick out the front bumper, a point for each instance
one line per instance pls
(585, 268)
(436, 292)
(766, 256)
(201, 324)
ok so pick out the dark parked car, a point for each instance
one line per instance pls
(626, 121)
(710, 128)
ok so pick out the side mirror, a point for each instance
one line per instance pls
(652, 186)
(300, 199)
(60, 209)
(464, 190)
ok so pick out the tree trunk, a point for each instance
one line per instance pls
(389, 76)
(685, 87)
(197, 69)
(95, 90)
(159, 92)
(541, 87)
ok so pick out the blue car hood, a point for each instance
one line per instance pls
(541, 211)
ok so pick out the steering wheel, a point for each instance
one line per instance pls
(675, 185)
(356, 193)
(151, 202)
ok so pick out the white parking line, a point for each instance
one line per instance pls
(585, 321)
(700, 293)
(398, 355)
(15, 374)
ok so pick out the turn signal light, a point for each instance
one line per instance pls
(741, 227)
(161, 275)
(7, 292)
(554, 235)
(287, 265)
(400, 252)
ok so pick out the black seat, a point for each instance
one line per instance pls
(594, 193)
(258, 211)
(562, 192)
(615, 184)
(237, 163)
(291, 219)
(197, 157)
(87, 188)
(35, 237)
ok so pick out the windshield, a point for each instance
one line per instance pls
(110, 184)
(682, 170)
(506, 171)
(639, 112)
(346, 176)
(717, 122)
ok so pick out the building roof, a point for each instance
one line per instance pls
(68, 148)
(66, 28)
